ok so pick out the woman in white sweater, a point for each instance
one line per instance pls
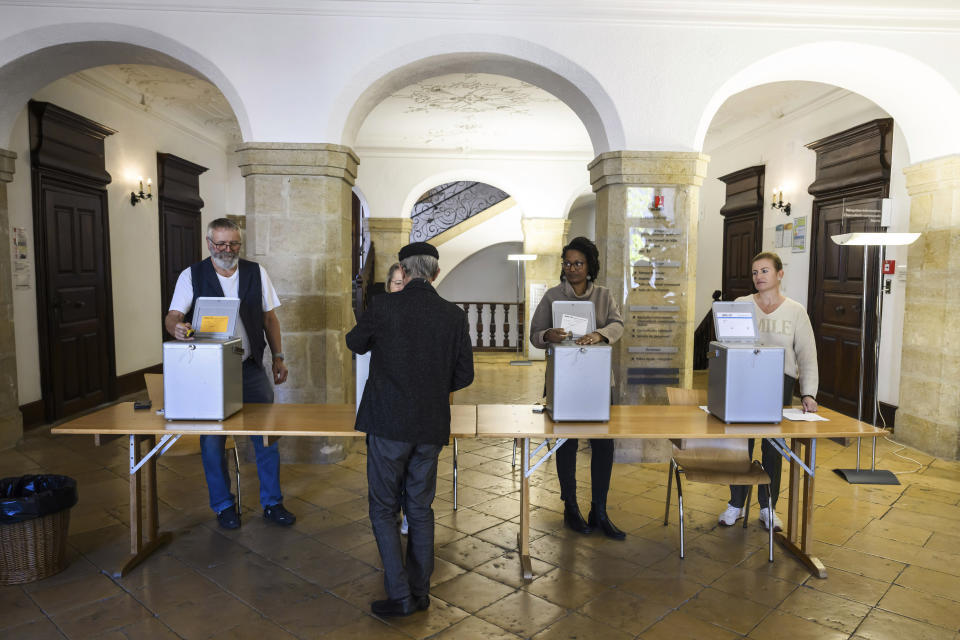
(782, 322)
(580, 266)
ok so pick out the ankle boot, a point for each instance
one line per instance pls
(573, 518)
(598, 519)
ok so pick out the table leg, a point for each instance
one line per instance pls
(799, 534)
(524, 536)
(141, 548)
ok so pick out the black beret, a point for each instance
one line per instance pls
(419, 249)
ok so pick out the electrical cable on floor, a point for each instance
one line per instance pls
(886, 436)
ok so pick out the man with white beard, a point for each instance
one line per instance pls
(224, 274)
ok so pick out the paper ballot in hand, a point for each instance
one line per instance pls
(573, 325)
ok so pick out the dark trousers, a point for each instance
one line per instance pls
(601, 466)
(771, 460)
(403, 474)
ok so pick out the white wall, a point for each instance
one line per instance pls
(134, 230)
(504, 227)
(583, 220)
(485, 276)
(789, 163)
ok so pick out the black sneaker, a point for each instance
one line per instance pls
(229, 518)
(277, 513)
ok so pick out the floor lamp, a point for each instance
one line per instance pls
(520, 258)
(882, 240)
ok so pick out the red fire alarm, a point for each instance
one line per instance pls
(889, 267)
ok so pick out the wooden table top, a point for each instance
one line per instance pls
(657, 421)
(253, 419)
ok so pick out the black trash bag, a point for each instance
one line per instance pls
(29, 497)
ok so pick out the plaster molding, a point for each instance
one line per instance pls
(852, 15)
(454, 154)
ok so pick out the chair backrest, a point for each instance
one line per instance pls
(729, 455)
(154, 389)
(682, 397)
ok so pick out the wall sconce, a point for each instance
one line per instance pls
(778, 202)
(136, 197)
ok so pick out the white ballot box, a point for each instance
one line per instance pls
(578, 376)
(578, 381)
(203, 377)
(745, 378)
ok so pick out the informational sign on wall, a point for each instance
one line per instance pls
(21, 259)
(657, 259)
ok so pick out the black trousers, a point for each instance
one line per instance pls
(403, 474)
(771, 460)
(601, 466)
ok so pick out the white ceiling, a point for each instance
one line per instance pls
(469, 112)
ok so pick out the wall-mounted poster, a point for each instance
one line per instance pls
(800, 235)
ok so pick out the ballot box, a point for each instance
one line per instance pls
(578, 376)
(578, 381)
(745, 377)
(203, 377)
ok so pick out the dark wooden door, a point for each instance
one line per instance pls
(741, 241)
(181, 233)
(836, 303)
(78, 339)
(74, 291)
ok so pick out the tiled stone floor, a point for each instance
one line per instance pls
(893, 555)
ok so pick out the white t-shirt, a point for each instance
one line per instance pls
(183, 296)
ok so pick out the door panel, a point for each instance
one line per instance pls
(836, 300)
(741, 240)
(77, 290)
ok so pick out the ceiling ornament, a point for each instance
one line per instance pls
(472, 94)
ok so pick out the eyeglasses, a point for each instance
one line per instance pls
(573, 265)
(223, 245)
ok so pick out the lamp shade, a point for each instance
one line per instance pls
(874, 239)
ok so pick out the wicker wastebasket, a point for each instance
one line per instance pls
(34, 522)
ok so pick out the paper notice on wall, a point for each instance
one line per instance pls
(800, 235)
(21, 274)
(19, 237)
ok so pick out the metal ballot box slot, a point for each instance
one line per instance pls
(745, 377)
(578, 376)
(203, 378)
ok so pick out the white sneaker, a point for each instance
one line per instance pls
(730, 516)
(403, 526)
(765, 520)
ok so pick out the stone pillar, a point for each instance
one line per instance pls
(388, 235)
(298, 205)
(656, 286)
(11, 422)
(928, 417)
(544, 237)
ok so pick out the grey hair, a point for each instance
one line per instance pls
(223, 223)
(421, 266)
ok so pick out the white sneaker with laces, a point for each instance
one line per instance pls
(765, 520)
(403, 526)
(730, 516)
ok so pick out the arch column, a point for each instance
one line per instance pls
(11, 421)
(657, 298)
(544, 237)
(928, 417)
(388, 236)
(298, 205)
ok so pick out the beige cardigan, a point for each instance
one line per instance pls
(609, 320)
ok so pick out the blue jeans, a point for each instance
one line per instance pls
(256, 388)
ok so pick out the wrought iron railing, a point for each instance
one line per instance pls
(495, 326)
(450, 204)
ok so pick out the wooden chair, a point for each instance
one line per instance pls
(723, 461)
(187, 445)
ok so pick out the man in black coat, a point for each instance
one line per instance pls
(421, 352)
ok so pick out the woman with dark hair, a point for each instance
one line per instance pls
(580, 266)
